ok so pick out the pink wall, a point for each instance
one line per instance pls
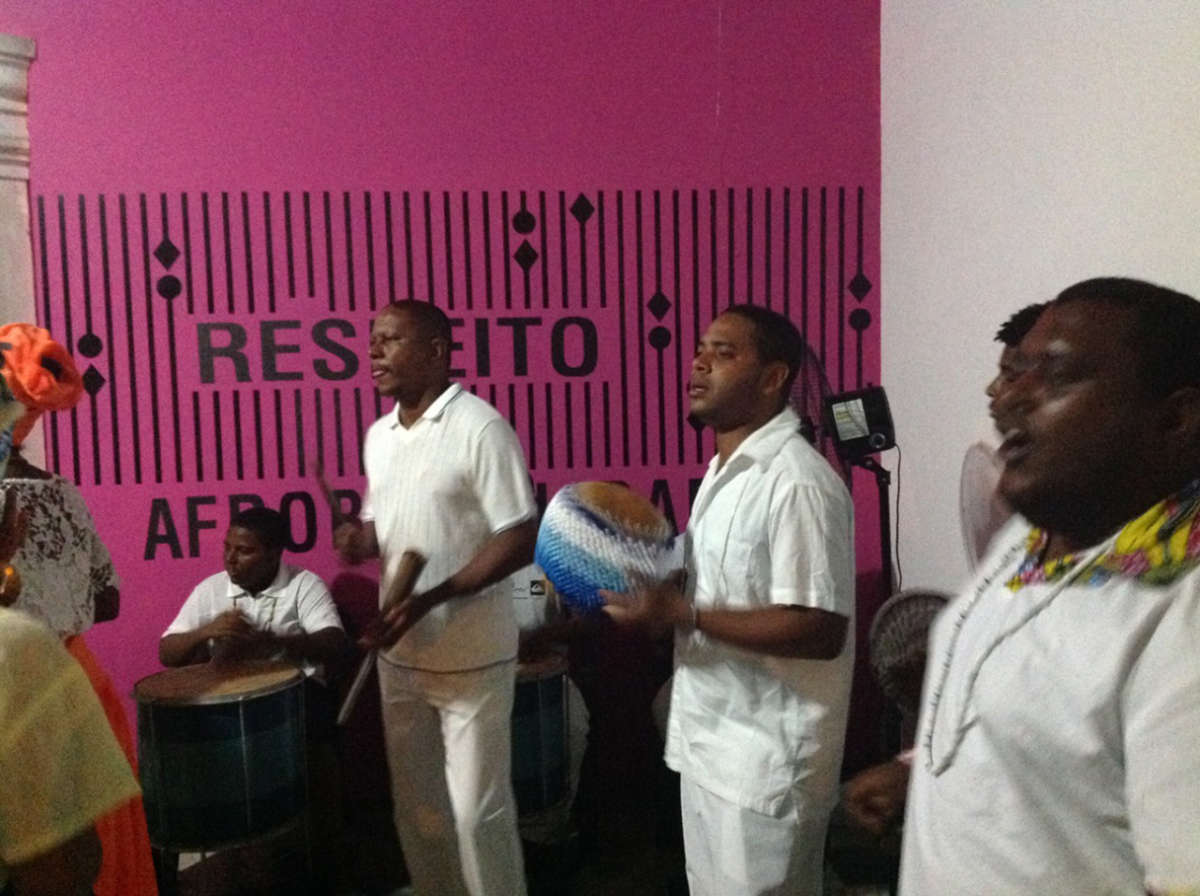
(726, 150)
(135, 95)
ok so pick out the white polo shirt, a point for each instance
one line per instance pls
(295, 602)
(444, 486)
(773, 526)
(1059, 742)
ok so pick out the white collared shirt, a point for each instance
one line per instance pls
(444, 486)
(774, 525)
(1064, 753)
(295, 602)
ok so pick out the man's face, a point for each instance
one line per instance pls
(401, 354)
(1076, 422)
(249, 562)
(725, 386)
(1009, 364)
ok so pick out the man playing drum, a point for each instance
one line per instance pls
(446, 477)
(762, 656)
(258, 607)
(262, 608)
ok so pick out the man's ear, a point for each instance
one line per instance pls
(441, 348)
(1180, 424)
(774, 378)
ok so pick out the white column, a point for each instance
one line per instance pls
(16, 248)
(16, 257)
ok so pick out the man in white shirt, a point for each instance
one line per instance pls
(446, 477)
(875, 797)
(763, 658)
(258, 606)
(1057, 748)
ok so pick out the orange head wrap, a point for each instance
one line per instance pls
(39, 372)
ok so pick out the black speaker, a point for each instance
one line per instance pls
(860, 422)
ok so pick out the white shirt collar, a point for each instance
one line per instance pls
(278, 584)
(764, 443)
(435, 410)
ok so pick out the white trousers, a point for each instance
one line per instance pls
(448, 738)
(734, 851)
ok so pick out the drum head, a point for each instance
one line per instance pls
(216, 682)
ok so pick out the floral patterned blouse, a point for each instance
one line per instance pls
(63, 563)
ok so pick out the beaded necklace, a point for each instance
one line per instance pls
(271, 612)
(985, 583)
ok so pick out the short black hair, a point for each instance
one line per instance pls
(1165, 332)
(431, 319)
(265, 522)
(1013, 330)
(776, 339)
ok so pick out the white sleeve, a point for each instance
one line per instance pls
(811, 544)
(314, 604)
(366, 513)
(505, 491)
(196, 611)
(1161, 712)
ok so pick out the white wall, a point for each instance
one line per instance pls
(1026, 146)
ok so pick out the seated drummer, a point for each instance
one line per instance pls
(263, 608)
(259, 607)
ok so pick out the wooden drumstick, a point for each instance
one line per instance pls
(411, 564)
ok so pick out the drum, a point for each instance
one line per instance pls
(540, 767)
(601, 535)
(221, 749)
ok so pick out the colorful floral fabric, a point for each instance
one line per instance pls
(1155, 548)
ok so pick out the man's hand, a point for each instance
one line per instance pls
(354, 542)
(231, 636)
(656, 607)
(227, 637)
(390, 626)
(232, 624)
(875, 797)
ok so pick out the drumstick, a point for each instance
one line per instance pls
(411, 564)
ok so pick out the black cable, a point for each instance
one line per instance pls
(896, 527)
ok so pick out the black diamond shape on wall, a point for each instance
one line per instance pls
(582, 209)
(860, 286)
(526, 256)
(659, 305)
(93, 381)
(166, 253)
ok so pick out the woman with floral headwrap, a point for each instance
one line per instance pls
(67, 576)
